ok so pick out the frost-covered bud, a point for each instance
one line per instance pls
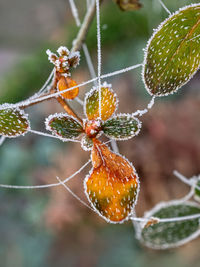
(74, 59)
(51, 56)
(63, 51)
(92, 128)
(64, 61)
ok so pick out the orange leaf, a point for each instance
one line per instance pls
(108, 103)
(112, 185)
(65, 83)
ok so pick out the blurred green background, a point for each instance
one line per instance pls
(48, 227)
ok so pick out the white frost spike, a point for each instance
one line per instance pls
(63, 51)
(51, 56)
(74, 59)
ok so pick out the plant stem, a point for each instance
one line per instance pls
(68, 109)
(76, 46)
(84, 28)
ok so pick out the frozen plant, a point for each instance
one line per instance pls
(171, 59)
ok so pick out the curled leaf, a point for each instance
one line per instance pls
(64, 126)
(122, 127)
(13, 122)
(128, 5)
(172, 54)
(112, 185)
(108, 103)
(165, 235)
(65, 83)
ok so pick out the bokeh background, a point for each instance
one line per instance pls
(49, 227)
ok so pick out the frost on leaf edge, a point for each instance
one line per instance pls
(156, 208)
(130, 116)
(22, 113)
(59, 115)
(132, 211)
(95, 88)
(155, 31)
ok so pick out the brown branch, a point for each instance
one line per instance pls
(84, 28)
(68, 109)
(76, 46)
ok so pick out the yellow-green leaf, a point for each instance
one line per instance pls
(172, 54)
(108, 103)
(13, 122)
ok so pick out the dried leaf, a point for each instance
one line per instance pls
(65, 83)
(151, 222)
(128, 5)
(165, 235)
(172, 54)
(112, 185)
(122, 127)
(64, 126)
(13, 122)
(108, 103)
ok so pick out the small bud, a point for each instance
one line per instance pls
(63, 51)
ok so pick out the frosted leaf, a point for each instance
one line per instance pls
(172, 55)
(109, 103)
(121, 127)
(65, 83)
(13, 122)
(112, 185)
(128, 5)
(165, 235)
(86, 143)
(64, 126)
(197, 191)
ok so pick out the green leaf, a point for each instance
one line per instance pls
(197, 191)
(165, 235)
(64, 126)
(86, 143)
(172, 54)
(122, 127)
(109, 103)
(13, 122)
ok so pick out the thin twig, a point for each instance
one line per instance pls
(84, 28)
